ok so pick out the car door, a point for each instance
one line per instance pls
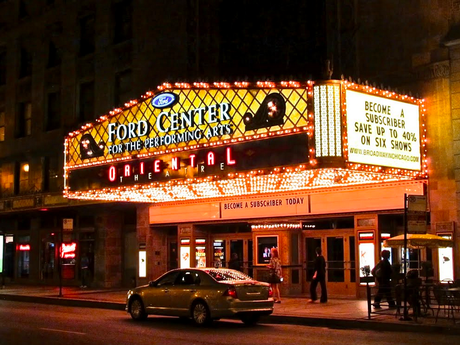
(184, 291)
(157, 298)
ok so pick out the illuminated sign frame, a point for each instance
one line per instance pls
(228, 115)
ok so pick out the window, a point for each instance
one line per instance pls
(25, 63)
(86, 111)
(168, 279)
(24, 120)
(2, 125)
(2, 66)
(87, 33)
(51, 173)
(53, 116)
(23, 11)
(54, 55)
(122, 15)
(21, 180)
(123, 90)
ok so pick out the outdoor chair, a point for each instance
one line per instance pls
(445, 300)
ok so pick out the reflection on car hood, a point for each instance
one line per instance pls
(244, 282)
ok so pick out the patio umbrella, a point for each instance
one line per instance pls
(417, 241)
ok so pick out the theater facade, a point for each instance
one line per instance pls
(224, 168)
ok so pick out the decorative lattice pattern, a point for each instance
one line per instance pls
(241, 102)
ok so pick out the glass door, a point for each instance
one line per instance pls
(338, 249)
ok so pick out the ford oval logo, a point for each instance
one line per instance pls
(165, 100)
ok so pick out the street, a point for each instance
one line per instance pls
(37, 324)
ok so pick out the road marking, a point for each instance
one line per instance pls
(60, 330)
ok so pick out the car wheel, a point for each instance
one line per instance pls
(137, 310)
(200, 314)
(250, 319)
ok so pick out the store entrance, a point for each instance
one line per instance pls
(338, 249)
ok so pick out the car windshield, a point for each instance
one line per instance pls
(223, 275)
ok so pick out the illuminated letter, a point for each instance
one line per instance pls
(224, 107)
(127, 170)
(175, 163)
(192, 160)
(142, 128)
(211, 158)
(156, 166)
(159, 122)
(111, 131)
(112, 173)
(141, 168)
(230, 161)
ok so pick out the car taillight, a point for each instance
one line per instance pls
(270, 292)
(231, 292)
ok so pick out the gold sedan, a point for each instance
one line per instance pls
(204, 294)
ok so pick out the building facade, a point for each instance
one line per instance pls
(67, 64)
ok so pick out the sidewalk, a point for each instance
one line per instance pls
(337, 313)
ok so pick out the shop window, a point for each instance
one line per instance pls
(2, 66)
(24, 120)
(54, 55)
(86, 104)
(2, 125)
(23, 250)
(123, 87)
(25, 63)
(53, 111)
(87, 35)
(123, 21)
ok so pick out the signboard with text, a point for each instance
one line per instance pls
(416, 214)
(383, 131)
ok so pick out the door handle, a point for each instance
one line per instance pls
(165, 290)
(191, 290)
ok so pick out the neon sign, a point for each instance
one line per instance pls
(68, 250)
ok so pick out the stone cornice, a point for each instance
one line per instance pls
(433, 71)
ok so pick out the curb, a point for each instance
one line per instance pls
(358, 324)
(272, 319)
(65, 301)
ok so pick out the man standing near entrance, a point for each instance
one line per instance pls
(319, 277)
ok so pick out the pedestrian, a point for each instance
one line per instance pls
(382, 273)
(275, 276)
(234, 263)
(319, 277)
(84, 264)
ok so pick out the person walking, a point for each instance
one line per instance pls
(383, 272)
(275, 276)
(319, 277)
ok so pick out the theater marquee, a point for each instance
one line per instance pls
(201, 141)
